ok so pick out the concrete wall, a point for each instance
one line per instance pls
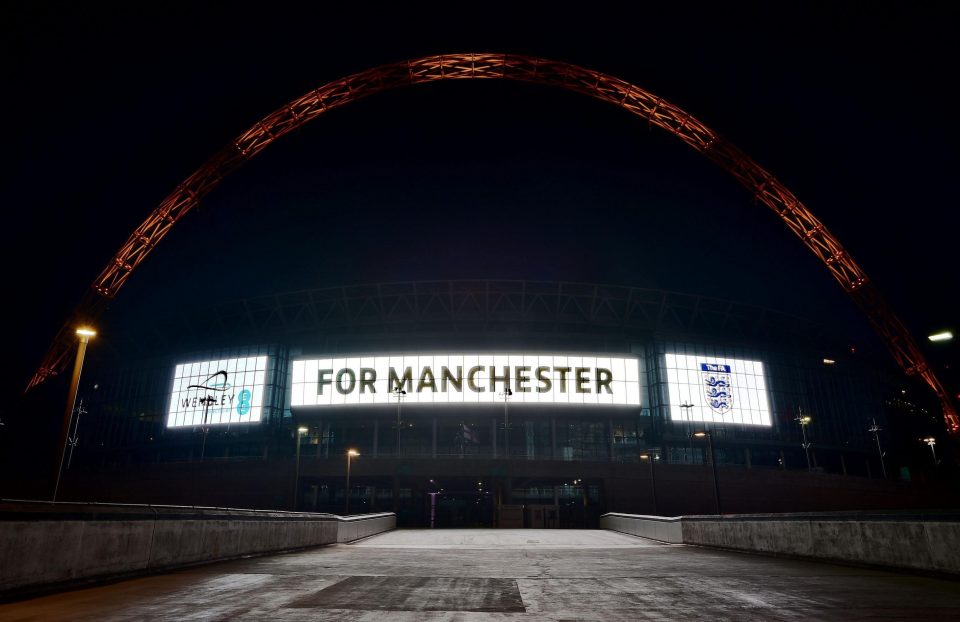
(927, 542)
(64, 543)
(662, 528)
(350, 528)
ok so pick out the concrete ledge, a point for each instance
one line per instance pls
(350, 528)
(662, 528)
(927, 542)
(63, 544)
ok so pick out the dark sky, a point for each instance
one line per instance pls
(106, 109)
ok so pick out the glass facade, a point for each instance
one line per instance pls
(125, 418)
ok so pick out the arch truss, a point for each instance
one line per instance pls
(765, 187)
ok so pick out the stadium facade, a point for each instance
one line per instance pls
(484, 402)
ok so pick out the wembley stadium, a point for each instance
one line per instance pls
(484, 402)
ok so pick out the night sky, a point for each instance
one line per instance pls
(852, 106)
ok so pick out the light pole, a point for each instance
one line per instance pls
(687, 408)
(804, 421)
(399, 394)
(204, 428)
(75, 438)
(713, 464)
(346, 503)
(653, 482)
(931, 442)
(876, 435)
(84, 335)
(296, 480)
(506, 394)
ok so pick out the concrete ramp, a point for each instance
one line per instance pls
(505, 539)
(526, 575)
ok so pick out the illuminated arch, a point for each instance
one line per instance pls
(765, 188)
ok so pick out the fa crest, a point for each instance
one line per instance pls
(717, 387)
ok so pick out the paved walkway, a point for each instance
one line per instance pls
(470, 575)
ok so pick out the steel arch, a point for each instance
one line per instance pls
(764, 186)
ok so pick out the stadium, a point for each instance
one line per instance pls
(485, 403)
(488, 402)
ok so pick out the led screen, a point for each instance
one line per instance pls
(217, 392)
(467, 378)
(722, 390)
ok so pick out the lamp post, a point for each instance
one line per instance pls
(713, 464)
(653, 482)
(74, 439)
(346, 504)
(506, 394)
(931, 442)
(804, 421)
(84, 335)
(399, 394)
(687, 408)
(876, 435)
(296, 480)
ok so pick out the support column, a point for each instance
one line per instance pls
(553, 437)
(396, 493)
(376, 437)
(434, 452)
(746, 453)
(493, 428)
(613, 449)
(843, 464)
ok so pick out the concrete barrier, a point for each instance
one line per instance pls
(662, 528)
(44, 545)
(928, 542)
(350, 528)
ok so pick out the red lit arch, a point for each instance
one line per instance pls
(766, 188)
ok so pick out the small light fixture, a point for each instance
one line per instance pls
(86, 332)
(829, 362)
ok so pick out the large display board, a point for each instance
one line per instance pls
(217, 392)
(721, 390)
(466, 379)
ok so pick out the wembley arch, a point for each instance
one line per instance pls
(766, 189)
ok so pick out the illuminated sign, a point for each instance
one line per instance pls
(217, 392)
(721, 390)
(467, 379)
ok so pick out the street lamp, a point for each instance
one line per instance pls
(296, 480)
(346, 504)
(653, 482)
(876, 435)
(804, 421)
(944, 335)
(931, 441)
(713, 463)
(506, 394)
(84, 334)
(399, 394)
(687, 408)
(74, 439)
